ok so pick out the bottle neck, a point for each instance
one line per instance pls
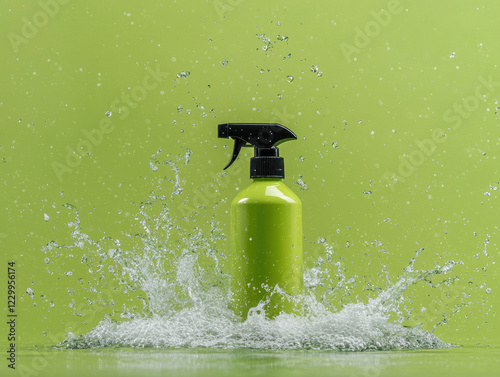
(266, 163)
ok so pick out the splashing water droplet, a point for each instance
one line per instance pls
(190, 305)
(187, 156)
(302, 185)
(183, 74)
(31, 292)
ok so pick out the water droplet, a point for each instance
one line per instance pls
(224, 62)
(289, 78)
(68, 273)
(47, 260)
(335, 145)
(52, 304)
(179, 109)
(302, 158)
(46, 217)
(302, 184)
(183, 74)
(489, 290)
(452, 55)
(108, 113)
(279, 96)
(30, 292)
(314, 68)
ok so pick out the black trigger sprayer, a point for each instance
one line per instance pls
(264, 137)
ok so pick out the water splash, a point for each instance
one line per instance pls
(179, 275)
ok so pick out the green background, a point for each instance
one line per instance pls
(360, 118)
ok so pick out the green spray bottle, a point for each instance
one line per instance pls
(266, 225)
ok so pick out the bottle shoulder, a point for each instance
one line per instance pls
(274, 191)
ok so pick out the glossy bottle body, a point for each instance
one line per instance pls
(266, 249)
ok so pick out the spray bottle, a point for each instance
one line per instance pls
(266, 225)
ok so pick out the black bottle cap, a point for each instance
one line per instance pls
(264, 137)
(267, 163)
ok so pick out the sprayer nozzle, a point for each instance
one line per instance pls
(261, 136)
(223, 131)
